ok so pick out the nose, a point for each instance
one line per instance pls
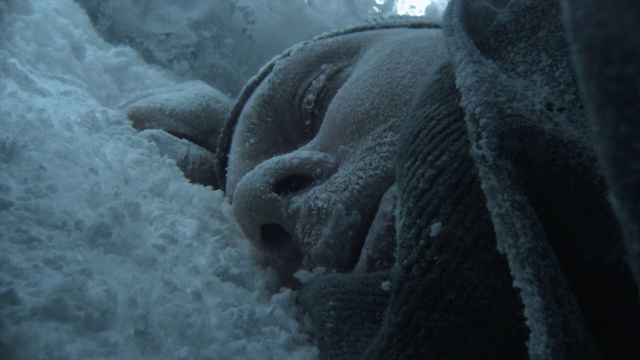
(261, 200)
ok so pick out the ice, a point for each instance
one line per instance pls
(106, 250)
(386, 285)
(435, 229)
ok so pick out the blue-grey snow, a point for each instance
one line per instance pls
(106, 251)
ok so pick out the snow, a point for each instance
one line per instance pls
(221, 42)
(386, 285)
(225, 42)
(106, 251)
(435, 229)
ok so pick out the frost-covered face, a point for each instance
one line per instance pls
(313, 150)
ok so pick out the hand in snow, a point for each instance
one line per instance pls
(313, 151)
(184, 121)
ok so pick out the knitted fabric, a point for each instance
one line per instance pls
(447, 263)
(507, 160)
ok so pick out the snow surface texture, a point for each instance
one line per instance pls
(224, 42)
(220, 42)
(106, 251)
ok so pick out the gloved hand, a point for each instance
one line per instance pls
(184, 121)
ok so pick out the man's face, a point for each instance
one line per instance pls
(313, 151)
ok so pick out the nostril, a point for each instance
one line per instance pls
(274, 237)
(291, 184)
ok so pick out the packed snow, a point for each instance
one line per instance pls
(224, 42)
(106, 250)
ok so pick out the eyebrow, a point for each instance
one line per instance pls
(229, 126)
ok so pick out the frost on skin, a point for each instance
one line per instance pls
(313, 151)
(197, 163)
(191, 110)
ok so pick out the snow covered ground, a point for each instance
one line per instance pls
(106, 251)
(224, 42)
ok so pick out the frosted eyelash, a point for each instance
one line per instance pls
(315, 89)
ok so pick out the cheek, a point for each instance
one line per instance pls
(357, 117)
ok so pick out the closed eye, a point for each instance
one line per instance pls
(316, 94)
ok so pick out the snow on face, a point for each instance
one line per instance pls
(313, 150)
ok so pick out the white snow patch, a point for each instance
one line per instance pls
(386, 286)
(106, 251)
(304, 276)
(435, 229)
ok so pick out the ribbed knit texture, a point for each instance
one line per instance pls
(452, 295)
(499, 153)
(535, 154)
(347, 310)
